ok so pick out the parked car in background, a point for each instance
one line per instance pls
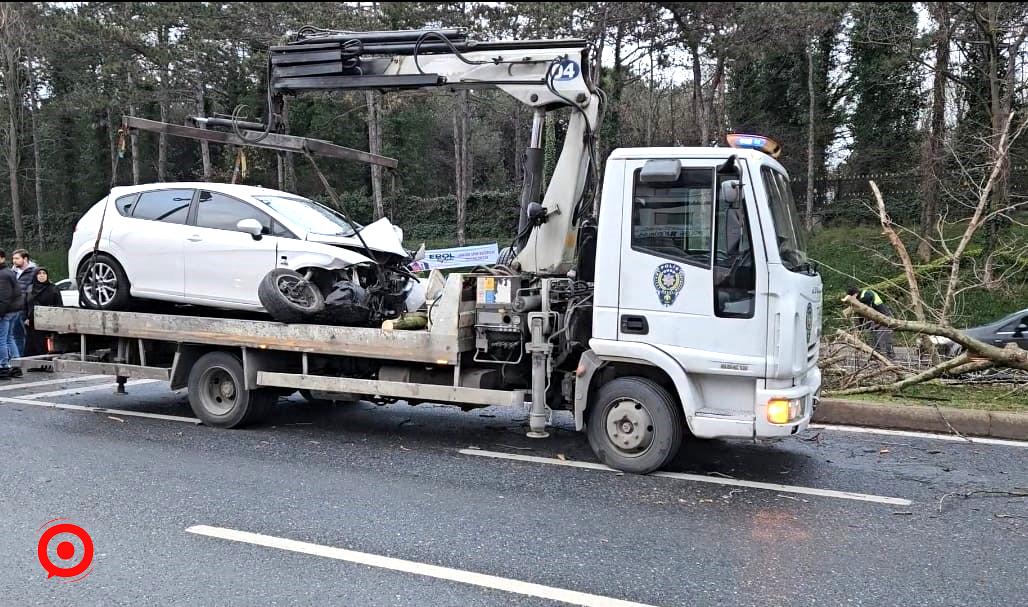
(215, 245)
(69, 294)
(1009, 329)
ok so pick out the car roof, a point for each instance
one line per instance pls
(232, 189)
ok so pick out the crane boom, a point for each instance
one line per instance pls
(545, 75)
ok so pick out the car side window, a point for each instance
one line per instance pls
(125, 204)
(170, 206)
(221, 212)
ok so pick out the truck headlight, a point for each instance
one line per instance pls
(784, 410)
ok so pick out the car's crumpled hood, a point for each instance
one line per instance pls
(379, 235)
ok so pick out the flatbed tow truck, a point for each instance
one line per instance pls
(685, 305)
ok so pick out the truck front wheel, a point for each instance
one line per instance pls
(218, 396)
(634, 425)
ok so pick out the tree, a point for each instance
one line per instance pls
(11, 67)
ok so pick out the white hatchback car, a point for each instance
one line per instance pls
(216, 244)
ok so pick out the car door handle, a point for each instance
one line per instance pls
(636, 325)
(194, 238)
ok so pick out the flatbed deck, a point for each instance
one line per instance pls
(441, 344)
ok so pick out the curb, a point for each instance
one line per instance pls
(971, 422)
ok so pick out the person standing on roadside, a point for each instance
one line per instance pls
(43, 293)
(25, 271)
(12, 305)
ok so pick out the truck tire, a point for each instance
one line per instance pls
(217, 394)
(289, 297)
(103, 284)
(634, 425)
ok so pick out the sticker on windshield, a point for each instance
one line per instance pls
(669, 280)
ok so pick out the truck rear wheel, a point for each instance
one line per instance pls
(218, 396)
(634, 425)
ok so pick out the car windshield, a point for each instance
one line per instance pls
(788, 229)
(314, 217)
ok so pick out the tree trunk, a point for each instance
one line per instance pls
(37, 164)
(205, 147)
(698, 105)
(162, 94)
(932, 151)
(375, 147)
(463, 161)
(13, 157)
(811, 123)
(112, 144)
(134, 140)
(289, 159)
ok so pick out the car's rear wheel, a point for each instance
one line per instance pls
(103, 284)
(289, 297)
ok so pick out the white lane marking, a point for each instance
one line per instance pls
(910, 433)
(50, 382)
(847, 495)
(135, 382)
(444, 573)
(37, 403)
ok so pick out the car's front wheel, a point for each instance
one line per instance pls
(103, 284)
(289, 297)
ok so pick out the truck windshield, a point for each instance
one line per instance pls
(312, 216)
(788, 229)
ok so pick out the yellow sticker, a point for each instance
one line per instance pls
(490, 284)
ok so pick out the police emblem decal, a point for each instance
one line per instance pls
(668, 280)
(810, 321)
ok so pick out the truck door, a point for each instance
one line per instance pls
(690, 273)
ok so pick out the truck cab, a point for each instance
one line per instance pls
(702, 273)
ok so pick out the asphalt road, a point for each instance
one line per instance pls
(392, 482)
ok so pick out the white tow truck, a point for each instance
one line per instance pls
(685, 305)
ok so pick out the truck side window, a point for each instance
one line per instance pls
(735, 279)
(673, 220)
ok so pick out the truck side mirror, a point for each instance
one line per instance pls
(660, 171)
(731, 192)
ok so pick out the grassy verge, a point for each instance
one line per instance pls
(985, 398)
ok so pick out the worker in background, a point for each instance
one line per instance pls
(25, 271)
(882, 334)
(12, 304)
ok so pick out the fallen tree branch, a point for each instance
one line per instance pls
(866, 349)
(984, 492)
(936, 371)
(901, 250)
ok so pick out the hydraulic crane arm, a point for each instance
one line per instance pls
(543, 74)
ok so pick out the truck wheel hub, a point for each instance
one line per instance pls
(629, 426)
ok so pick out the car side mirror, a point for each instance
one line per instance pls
(1020, 330)
(420, 253)
(251, 227)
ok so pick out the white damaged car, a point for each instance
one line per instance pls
(244, 248)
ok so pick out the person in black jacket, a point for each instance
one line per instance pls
(12, 305)
(43, 293)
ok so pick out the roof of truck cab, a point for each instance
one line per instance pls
(693, 152)
(236, 189)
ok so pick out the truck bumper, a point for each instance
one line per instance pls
(805, 393)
